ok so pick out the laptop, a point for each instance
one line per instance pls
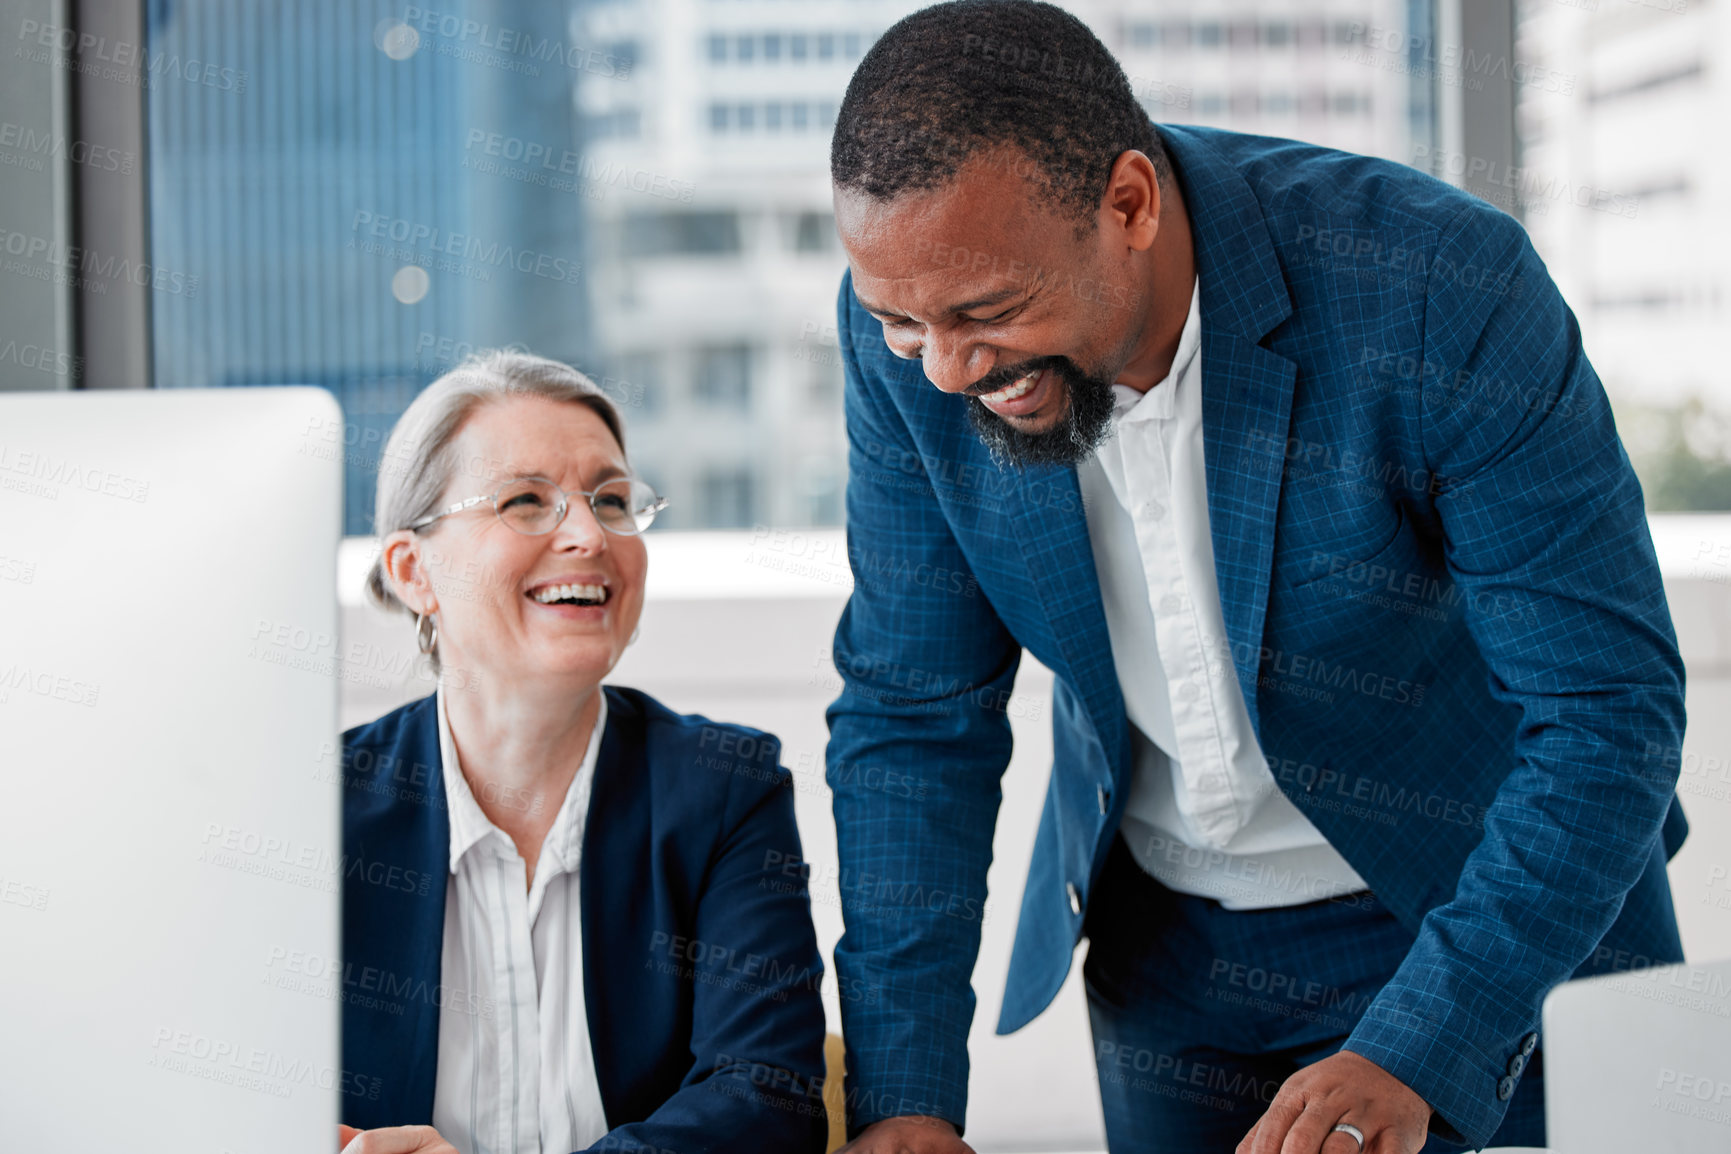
(169, 831)
(1639, 1062)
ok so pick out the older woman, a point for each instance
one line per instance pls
(569, 920)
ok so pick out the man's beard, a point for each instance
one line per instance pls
(1079, 430)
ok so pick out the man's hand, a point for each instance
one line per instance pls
(911, 1134)
(1344, 1087)
(392, 1140)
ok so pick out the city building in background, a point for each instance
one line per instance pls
(357, 194)
(335, 206)
(714, 294)
(1625, 202)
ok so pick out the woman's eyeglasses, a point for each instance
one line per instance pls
(534, 506)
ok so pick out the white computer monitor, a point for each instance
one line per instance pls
(169, 810)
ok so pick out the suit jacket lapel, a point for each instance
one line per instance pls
(1053, 534)
(1246, 407)
(612, 879)
(393, 926)
(1246, 389)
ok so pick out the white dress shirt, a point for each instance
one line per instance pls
(517, 1077)
(1204, 815)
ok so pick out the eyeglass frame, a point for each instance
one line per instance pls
(564, 506)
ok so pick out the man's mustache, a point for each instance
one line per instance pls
(1000, 377)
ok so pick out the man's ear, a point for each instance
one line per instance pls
(405, 569)
(1132, 201)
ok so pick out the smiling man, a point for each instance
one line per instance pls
(1290, 466)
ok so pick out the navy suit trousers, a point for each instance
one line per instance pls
(1200, 1013)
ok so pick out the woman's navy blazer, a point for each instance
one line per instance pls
(700, 966)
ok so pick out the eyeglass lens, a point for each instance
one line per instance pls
(531, 506)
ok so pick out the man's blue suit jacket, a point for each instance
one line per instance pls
(700, 965)
(1442, 605)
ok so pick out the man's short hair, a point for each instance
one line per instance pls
(1012, 79)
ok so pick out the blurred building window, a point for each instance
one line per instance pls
(723, 376)
(653, 234)
(726, 496)
(814, 232)
(388, 195)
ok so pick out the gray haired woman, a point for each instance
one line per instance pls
(602, 912)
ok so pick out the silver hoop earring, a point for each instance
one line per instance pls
(426, 632)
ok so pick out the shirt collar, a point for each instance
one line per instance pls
(470, 826)
(1157, 403)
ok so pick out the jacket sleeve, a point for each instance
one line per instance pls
(757, 1027)
(919, 741)
(1545, 532)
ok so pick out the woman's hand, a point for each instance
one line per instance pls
(392, 1140)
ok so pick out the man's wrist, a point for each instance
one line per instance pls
(905, 1126)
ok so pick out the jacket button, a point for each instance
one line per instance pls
(1100, 790)
(1529, 1044)
(1517, 1064)
(1075, 897)
(1505, 1089)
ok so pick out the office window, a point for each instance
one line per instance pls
(726, 496)
(371, 209)
(618, 59)
(619, 124)
(814, 232)
(655, 234)
(635, 384)
(723, 376)
(820, 488)
(1349, 103)
(355, 203)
